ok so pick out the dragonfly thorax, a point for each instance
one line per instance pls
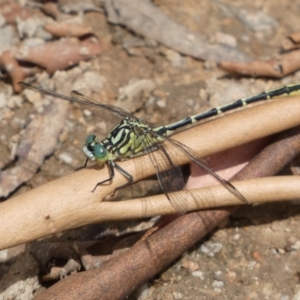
(128, 139)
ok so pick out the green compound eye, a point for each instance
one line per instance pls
(90, 139)
(100, 151)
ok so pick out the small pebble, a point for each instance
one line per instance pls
(190, 265)
(66, 158)
(217, 284)
(198, 274)
(252, 264)
(296, 245)
(210, 248)
(14, 101)
(237, 236)
(87, 113)
(161, 103)
(177, 296)
(218, 273)
(231, 275)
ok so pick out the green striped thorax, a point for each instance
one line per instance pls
(128, 139)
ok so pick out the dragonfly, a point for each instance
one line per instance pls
(133, 137)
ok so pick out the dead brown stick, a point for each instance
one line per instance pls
(267, 189)
(67, 29)
(147, 258)
(282, 151)
(71, 51)
(68, 202)
(291, 42)
(274, 68)
(16, 71)
(140, 263)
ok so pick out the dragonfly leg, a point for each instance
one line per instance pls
(111, 167)
(85, 164)
(126, 175)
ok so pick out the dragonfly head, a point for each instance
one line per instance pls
(94, 150)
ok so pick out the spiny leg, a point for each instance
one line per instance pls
(111, 166)
(126, 175)
(84, 166)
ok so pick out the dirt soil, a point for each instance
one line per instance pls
(255, 253)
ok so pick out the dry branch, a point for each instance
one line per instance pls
(291, 42)
(274, 68)
(68, 29)
(71, 51)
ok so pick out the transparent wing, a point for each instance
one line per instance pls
(204, 165)
(84, 101)
(171, 179)
(169, 175)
